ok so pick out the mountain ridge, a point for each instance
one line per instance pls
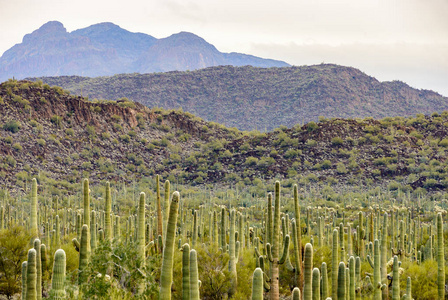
(107, 49)
(263, 98)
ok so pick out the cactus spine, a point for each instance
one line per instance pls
(168, 251)
(257, 285)
(33, 218)
(31, 280)
(185, 272)
(194, 280)
(108, 210)
(57, 282)
(440, 258)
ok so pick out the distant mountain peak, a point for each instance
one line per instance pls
(107, 49)
(49, 28)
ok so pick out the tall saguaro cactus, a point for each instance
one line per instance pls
(334, 265)
(440, 258)
(141, 239)
(86, 193)
(33, 217)
(307, 272)
(108, 210)
(24, 270)
(166, 204)
(233, 258)
(57, 291)
(194, 280)
(31, 276)
(274, 292)
(168, 250)
(186, 272)
(257, 285)
(84, 253)
(38, 270)
(159, 207)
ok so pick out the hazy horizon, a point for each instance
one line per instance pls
(404, 40)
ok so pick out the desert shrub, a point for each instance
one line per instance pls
(12, 126)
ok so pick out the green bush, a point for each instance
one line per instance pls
(12, 126)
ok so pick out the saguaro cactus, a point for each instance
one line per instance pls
(166, 204)
(57, 291)
(86, 192)
(395, 280)
(33, 217)
(108, 210)
(307, 272)
(194, 280)
(141, 239)
(316, 284)
(334, 265)
(31, 276)
(38, 270)
(341, 281)
(296, 294)
(274, 292)
(84, 253)
(24, 266)
(440, 258)
(168, 251)
(257, 285)
(159, 208)
(377, 285)
(233, 258)
(186, 272)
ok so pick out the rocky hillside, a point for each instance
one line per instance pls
(107, 49)
(61, 138)
(256, 98)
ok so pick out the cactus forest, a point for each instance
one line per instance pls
(220, 244)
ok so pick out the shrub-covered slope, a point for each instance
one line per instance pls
(263, 98)
(46, 132)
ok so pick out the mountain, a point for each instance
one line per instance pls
(107, 49)
(262, 98)
(60, 139)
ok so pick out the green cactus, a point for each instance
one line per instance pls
(334, 265)
(141, 240)
(185, 272)
(274, 292)
(440, 258)
(31, 276)
(38, 270)
(84, 253)
(396, 280)
(341, 281)
(296, 294)
(269, 225)
(324, 280)
(232, 258)
(24, 270)
(86, 193)
(168, 251)
(107, 217)
(93, 239)
(44, 259)
(383, 258)
(257, 285)
(33, 218)
(117, 231)
(57, 291)
(408, 295)
(352, 287)
(159, 209)
(316, 284)
(166, 205)
(307, 272)
(194, 280)
(223, 229)
(297, 231)
(377, 285)
(195, 229)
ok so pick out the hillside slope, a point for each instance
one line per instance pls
(263, 98)
(47, 133)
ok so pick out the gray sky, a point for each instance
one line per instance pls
(403, 40)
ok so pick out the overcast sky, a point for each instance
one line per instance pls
(403, 40)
